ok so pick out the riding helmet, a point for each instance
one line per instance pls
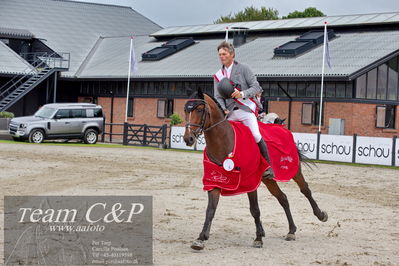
(225, 88)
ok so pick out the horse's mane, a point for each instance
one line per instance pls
(200, 95)
(217, 103)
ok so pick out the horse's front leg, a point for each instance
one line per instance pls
(254, 208)
(213, 200)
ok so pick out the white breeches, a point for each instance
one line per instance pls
(248, 119)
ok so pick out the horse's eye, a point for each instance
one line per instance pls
(200, 110)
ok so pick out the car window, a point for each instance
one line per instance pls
(62, 113)
(45, 112)
(78, 113)
(97, 112)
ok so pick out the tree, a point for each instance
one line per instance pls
(308, 12)
(249, 14)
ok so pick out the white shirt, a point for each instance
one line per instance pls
(227, 74)
(228, 70)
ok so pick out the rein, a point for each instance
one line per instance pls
(190, 107)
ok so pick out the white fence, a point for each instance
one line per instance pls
(354, 149)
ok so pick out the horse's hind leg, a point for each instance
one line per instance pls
(282, 199)
(213, 200)
(254, 208)
(304, 187)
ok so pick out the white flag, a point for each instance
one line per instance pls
(327, 50)
(133, 61)
(226, 38)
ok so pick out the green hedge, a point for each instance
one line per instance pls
(176, 119)
(6, 115)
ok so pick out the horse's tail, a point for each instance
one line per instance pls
(304, 159)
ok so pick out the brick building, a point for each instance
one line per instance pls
(360, 90)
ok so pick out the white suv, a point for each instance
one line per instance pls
(60, 121)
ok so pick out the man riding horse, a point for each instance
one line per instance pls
(235, 89)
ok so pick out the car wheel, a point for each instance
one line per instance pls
(36, 136)
(90, 136)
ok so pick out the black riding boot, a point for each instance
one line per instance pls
(265, 153)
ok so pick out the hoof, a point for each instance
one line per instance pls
(257, 244)
(290, 237)
(325, 217)
(198, 244)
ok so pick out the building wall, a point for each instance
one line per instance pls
(144, 111)
(360, 118)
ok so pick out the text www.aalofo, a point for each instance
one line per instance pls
(76, 228)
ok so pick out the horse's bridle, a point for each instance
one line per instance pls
(192, 105)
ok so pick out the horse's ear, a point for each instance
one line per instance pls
(200, 94)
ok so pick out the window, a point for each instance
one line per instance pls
(130, 107)
(311, 113)
(393, 79)
(307, 109)
(340, 90)
(372, 84)
(78, 113)
(62, 113)
(329, 87)
(385, 117)
(98, 112)
(311, 90)
(292, 89)
(382, 82)
(349, 89)
(361, 86)
(165, 108)
(301, 88)
(274, 89)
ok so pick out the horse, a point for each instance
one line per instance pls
(204, 115)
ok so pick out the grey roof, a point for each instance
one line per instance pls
(12, 63)
(15, 33)
(350, 53)
(283, 24)
(73, 27)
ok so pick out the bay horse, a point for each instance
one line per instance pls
(204, 115)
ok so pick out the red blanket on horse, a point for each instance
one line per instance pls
(249, 164)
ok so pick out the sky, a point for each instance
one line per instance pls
(167, 13)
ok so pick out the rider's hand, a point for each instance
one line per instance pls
(236, 94)
(226, 112)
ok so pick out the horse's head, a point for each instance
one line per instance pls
(195, 114)
(202, 114)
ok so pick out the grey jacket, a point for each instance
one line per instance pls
(240, 74)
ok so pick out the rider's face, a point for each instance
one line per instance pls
(226, 58)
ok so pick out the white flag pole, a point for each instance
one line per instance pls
(128, 77)
(322, 75)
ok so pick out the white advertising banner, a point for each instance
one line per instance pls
(375, 150)
(201, 143)
(176, 139)
(336, 148)
(307, 143)
(397, 152)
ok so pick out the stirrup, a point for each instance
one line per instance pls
(269, 173)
